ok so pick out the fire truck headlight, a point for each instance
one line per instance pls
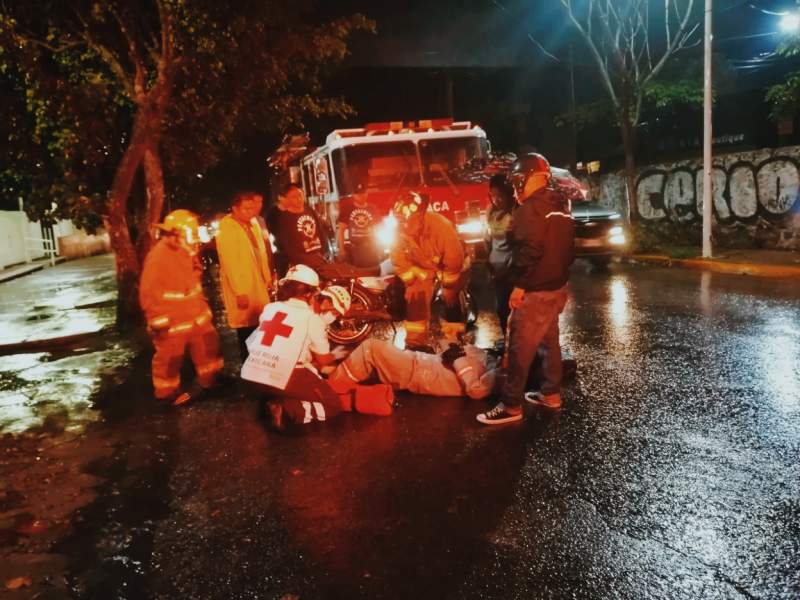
(203, 234)
(386, 232)
(471, 227)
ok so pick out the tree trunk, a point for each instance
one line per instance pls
(629, 145)
(154, 184)
(127, 260)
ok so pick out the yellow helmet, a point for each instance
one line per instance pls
(410, 204)
(184, 223)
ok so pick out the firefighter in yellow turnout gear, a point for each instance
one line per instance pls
(176, 309)
(428, 248)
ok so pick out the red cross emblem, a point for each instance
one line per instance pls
(274, 328)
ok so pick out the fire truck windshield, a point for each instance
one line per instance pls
(447, 161)
(385, 165)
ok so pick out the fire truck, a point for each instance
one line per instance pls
(443, 158)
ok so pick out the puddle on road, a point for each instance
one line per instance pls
(55, 390)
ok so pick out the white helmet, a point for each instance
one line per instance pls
(303, 274)
(339, 296)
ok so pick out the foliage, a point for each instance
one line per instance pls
(61, 139)
(587, 114)
(664, 95)
(784, 98)
(630, 42)
(74, 74)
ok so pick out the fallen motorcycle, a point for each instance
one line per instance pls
(380, 300)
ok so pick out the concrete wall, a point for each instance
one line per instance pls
(756, 195)
(15, 227)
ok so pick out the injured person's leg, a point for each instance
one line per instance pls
(374, 357)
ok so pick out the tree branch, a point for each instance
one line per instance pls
(598, 58)
(139, 78)
(671, 48)
(107, 56)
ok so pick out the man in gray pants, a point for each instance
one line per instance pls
(458, 371)
(543, 238)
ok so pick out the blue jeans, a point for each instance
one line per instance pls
(534, 323)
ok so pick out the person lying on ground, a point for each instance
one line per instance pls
(458, 371)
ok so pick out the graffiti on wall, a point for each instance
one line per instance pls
(743, 190)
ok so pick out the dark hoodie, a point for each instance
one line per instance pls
(543, 241)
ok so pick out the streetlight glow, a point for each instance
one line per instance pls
(790, 23)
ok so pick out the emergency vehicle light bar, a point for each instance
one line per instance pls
(393, 127)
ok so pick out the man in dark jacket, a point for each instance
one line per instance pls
(543, 238)
(302, 239)
(298, 232)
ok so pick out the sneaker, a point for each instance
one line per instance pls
(499, 415)
(552, 401)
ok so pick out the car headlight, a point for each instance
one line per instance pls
(471, 227)
(386, 232)
(614, 231)
(617, 240)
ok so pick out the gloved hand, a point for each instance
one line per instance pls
(158, 328)
(453, 353)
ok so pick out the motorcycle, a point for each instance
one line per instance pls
(380, 300)
(374, 300)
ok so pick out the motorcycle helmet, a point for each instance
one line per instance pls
(533, 168)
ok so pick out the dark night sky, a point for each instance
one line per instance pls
(505, 82)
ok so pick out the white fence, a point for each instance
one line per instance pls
(22, 240)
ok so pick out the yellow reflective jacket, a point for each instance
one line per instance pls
(170, 289)
(243, 271)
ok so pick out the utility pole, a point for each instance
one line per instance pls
(708, 192)
(572, 110)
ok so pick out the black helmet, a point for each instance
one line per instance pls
(526, 166)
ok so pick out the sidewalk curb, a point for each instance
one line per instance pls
(732, 268)
(50, 343)
(10, 273)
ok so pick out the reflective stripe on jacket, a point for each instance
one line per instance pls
(436, 248)
(170, 288)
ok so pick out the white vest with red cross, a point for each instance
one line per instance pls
(275, 347)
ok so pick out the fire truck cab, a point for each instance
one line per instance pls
(437, 157)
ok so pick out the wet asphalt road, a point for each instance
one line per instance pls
(671, 472)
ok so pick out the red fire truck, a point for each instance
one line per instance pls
(438, 157)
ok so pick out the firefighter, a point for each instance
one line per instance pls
(245, 268)
(428, 248)
(176, 309)
(458, 371)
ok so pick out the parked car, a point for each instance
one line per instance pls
(599, 231)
